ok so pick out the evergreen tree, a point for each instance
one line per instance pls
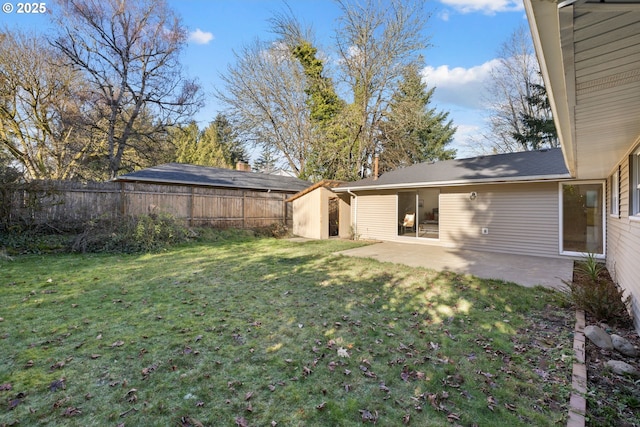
(266, 163)
(537, 127)
(413, 132)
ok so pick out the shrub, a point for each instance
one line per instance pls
(593, 291)
(144, 233)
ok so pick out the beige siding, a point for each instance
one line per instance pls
(307, 213)
(376, 216)
(520, 218)
(623, 245)
(344, 223)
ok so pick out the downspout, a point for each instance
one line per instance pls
(355, 214)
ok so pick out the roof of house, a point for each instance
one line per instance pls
(179, 173)
(326, 183)
(547, 164)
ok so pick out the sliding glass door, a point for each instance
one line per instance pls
(582, 218)
(418, 213)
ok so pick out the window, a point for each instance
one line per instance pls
(634, 178)
(614, 185)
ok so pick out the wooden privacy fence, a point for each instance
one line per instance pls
(67, 203)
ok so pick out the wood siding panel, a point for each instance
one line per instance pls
(623, 246)
(520, 218)
(306, 217)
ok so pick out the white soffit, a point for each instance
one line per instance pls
(601, 56)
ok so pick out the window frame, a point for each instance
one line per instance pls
(634, 185)
(614, 182)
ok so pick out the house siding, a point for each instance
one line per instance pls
(521, 218)
(623, 245)
(376, 216)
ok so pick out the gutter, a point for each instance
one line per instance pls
(539, 178)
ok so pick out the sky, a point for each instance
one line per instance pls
(465, 37)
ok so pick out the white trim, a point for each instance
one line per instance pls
(614, 210)
(561, 250)
(456, 183)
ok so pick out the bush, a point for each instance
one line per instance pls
(144, 233)
(593, 291)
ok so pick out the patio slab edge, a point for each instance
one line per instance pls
(578, 401)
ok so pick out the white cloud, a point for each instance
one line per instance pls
(200, 37)
(462, 87)
(488, 7)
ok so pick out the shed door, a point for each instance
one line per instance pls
(334, 215)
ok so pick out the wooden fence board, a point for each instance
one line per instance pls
(76, 203)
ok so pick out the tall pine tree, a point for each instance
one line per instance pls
(413, 132)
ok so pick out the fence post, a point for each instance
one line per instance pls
(244, 209)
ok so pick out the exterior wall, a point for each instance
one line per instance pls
(307, 214)
(623, 244)
(376, 215)
(521, 218)
(344, 222)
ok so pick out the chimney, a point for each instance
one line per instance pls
(242, 166)
(375, 166)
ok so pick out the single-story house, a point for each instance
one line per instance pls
(589, 54)
(210, 196)
(522, 203)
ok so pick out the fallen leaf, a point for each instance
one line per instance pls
(190, 422)
(241, 422)
(5, 387)
(406, 418)
(13, 403)
(118, 343)
(369, 416)
(343, 352)
(71, 411)
(321, 406)
(57, 384)
(58, 365)
(95, 356)
(29, 364)
(248, 396)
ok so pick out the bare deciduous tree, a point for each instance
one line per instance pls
(266, 101)
(375, 45)
(129, 52)
(41, 104)
(510, 91)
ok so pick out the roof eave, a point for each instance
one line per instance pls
(551, 31)
(455, 183)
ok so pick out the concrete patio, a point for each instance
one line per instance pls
(524, 270)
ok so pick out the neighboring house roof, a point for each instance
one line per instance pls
(326, 183)
(178, 173)
(510, 167)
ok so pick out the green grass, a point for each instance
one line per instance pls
(250, 331)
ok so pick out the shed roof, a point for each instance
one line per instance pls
(547, 164)
(185, 174)
(326, 183)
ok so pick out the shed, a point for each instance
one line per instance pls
(319, 213)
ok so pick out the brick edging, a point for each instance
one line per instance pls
(578, 402)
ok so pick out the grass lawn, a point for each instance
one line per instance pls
(261, 332)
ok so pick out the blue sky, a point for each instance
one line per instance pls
(465, 37)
